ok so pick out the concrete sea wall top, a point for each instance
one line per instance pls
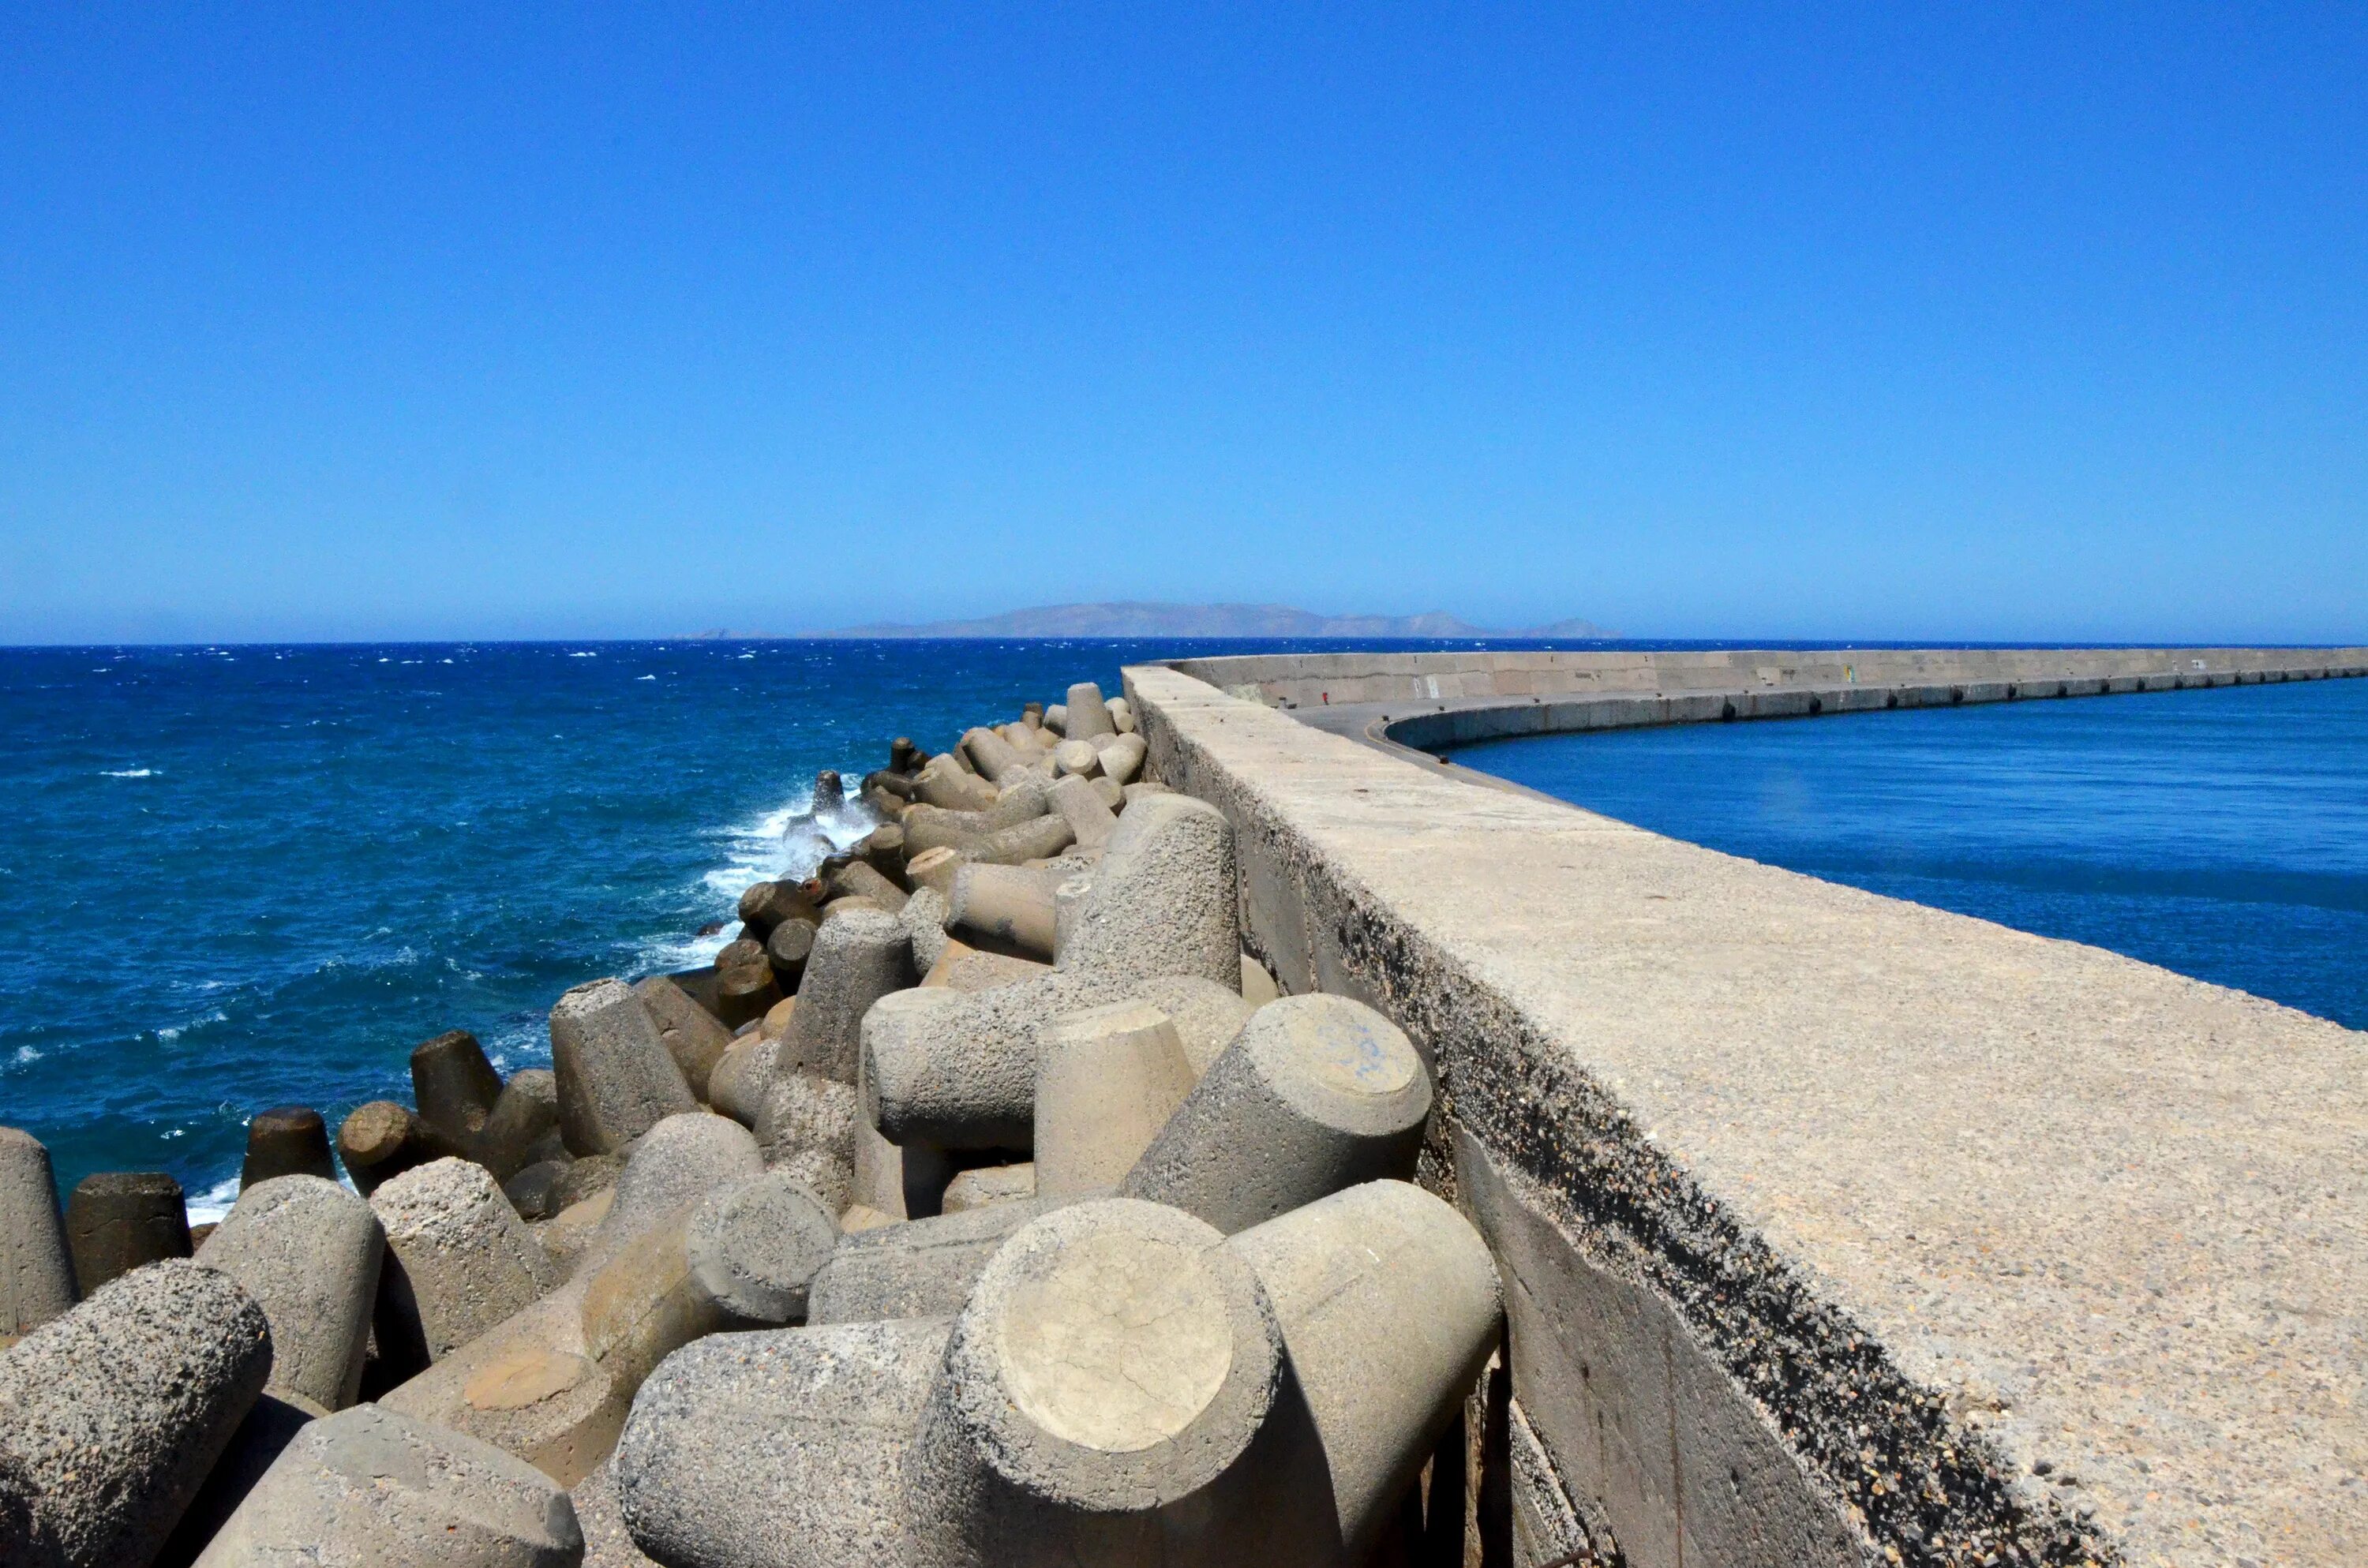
(1835, 1228)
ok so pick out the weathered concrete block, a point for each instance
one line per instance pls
(766, 904)
(616, 1078)
(918, 1268)
(806, 1110)
(607, 1542)
(994, 757)
(524, 1127)
(784, 1449)
(1389, 1306)
(1317, 1093)
(934, 868)
(756, 1247)
(693, 1036)
(680, 1161)
(924, 919)
(381, 1140)
(261, 1438)
(535, 1191)
(551, 1384)
(858, 959)
(119, 1221)
(983, 1187)
(943, 782)
(745, 987)
(958, 1069)
(789, 948)
(742, 1075)
(961, 967)
(859, 878)
(1122, 759)
(1121, 714)
(1024, 799)
(308, 1253)
(372, 1487)
(1078, 759)
(1257, 986)
(1104, 1393)
(459, 1259)
(1086, 715)
(454, 1085)
(1107, 1079)
(1088, 812)
(1009, 905)
(290, 1139)
(1163, 901)
(114, 1411)
(37, 1280)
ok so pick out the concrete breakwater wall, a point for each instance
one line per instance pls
(1833, 1229)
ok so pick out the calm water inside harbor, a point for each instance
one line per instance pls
(2223, 833)
(241, 876)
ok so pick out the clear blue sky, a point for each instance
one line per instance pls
(1886, 321)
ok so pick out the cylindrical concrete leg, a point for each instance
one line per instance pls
(290, 1139)
(746, 989)
(116, 1411)
(381, 1140)
(524, 1128)
(756, 1247)
(459, 1259)
(1164, 899)
(861, 879)
(785, 1448)
(1111, 1370)
(858, 959)
(308, 1253)
(1088, 815)
(371, 1485)
(1009, 907)
(454, 1085)
(1078, 759)
(119, 1220)
(693, 1035)
(1088, 715)
(829, 791)
(616, 1078)
(1389, 1305)
(1106, 1081)
(37, 1278)
(680, 1161)
(1122, 759)
(1317, 1093)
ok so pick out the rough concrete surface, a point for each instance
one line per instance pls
(1940, 1202)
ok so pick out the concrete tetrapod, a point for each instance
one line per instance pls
(261, 1438)
(552, 1384)
(1163, 901)
(524, 1127)
(1317, 1093)
(780, 1450)
(459, 1259)
(381, 1140)
(920, 1268)
(676, 1164)
(454, 1085)
(1086, 715)
(372, 1487)
(607, 1543)
(1008, 904)
(693, 1036)
(742, 1075)
(114, 1413)
(858, 959)
(119, 1220)
(1389, 1305)
(758, 1246)
(958, 1069)
(290, 1139)
(1088, 816)
(1107, 1079)
(1103, 1390)
(924, 919)
(37, 1280)
(309, 1252)
(616, 1078)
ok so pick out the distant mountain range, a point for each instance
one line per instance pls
(1138, 619)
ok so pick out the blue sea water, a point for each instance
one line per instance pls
(2223, 832)
(240, 877)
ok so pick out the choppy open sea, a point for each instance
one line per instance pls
(240, 877)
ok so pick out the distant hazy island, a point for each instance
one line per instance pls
(1137, 620)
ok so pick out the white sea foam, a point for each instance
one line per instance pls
(26, 1056)
(212, 1206)
(583, 656)
(646, 677)
(128, 773)
(789, 842)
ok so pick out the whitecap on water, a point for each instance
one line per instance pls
(127, 773)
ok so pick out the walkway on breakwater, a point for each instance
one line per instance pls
(1835, 1229)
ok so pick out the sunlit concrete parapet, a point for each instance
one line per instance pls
(1833, 1229)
